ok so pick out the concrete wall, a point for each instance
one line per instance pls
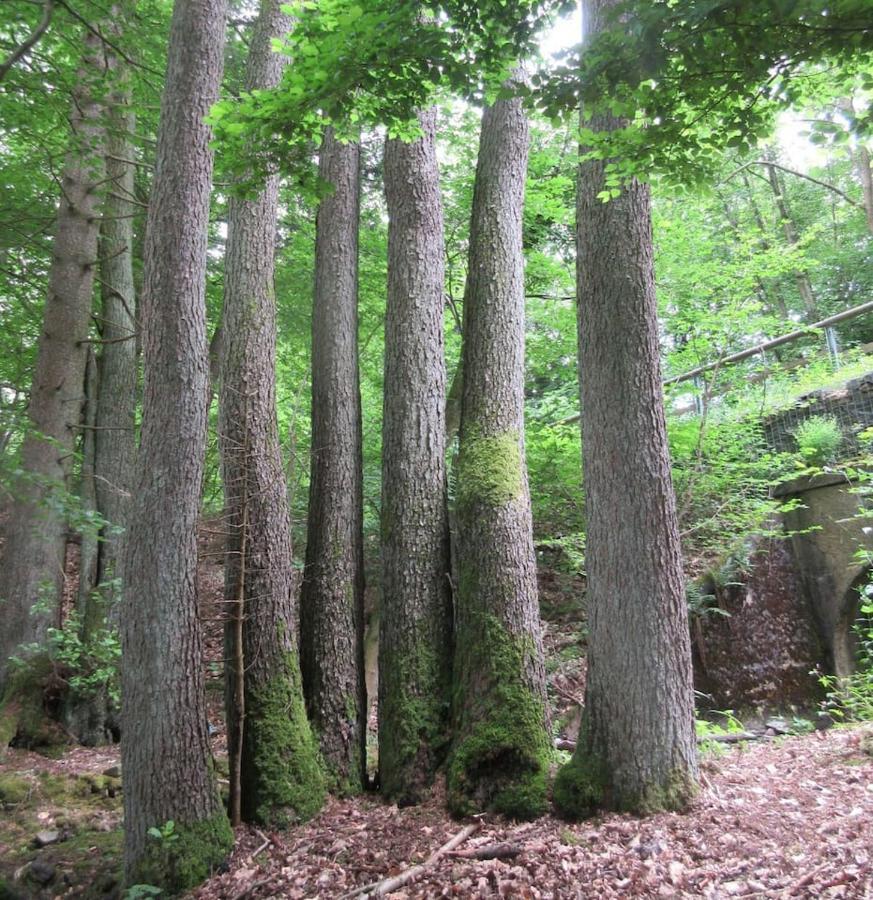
(826, 534)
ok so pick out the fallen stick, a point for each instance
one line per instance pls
(489, 851)
(731, 737)
(263, 846)
(387, 885)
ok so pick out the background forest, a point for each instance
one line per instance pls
(759, 173)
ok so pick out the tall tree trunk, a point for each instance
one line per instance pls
(275, 773)
(165, 749)
(501, 749)
(332, 602)
(32, 566)
(115, 437)
(109, 447)
(637, 749)
(415, 640)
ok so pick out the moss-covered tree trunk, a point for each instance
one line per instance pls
(272, 751)
(332, 602)
(637, 748)
(500, 755)
(32, 565)
(415, 640)
(166, 758)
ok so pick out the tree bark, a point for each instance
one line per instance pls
(501, 750)
(165, 749)
(272, 751)
(415, 641)
(32, 566)
(116, 406)
(637, 749)
(332, 614)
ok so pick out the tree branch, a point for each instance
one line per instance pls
(35, 35)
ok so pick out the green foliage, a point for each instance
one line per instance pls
(818, 440)
(652, 64)
(91, 661)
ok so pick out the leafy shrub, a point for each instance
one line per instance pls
(818, 440)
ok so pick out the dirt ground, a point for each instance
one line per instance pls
(788, 817)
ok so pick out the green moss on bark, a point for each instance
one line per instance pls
(186, 857)
(583, 788)
(415, 744)
(282, 780)
(489, 469)
(23, 715)
(501, 760)
(580, 787)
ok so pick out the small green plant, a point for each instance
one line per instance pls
(818, 440)
(92, 661)
(166, 833)
(708, 728)
(142, 891)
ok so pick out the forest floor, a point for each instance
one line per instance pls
(780, 817)
(788, 817)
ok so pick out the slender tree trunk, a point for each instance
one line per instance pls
(115, 436)
(165, 749)
(108, 441)
(804, 285)
(32, 565)
(865, 175)
(637, 749)
(501, 749)
(415, 640)
(276, 778)
(332, 614)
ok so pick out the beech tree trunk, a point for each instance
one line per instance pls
(275, 774)
(32, 565)
(166, 759)
(332, 602)
(415, 641)
(501, 749)
(637, 748)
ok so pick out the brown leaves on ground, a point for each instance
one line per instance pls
(790, 818)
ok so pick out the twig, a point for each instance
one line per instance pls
(504, 850)
(33, 37)
(263, 846)
(387, 885)
(250, 889)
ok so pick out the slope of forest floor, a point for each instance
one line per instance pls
(785, 817)
(790, 817)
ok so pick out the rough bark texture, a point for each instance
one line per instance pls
(637, 747)
(269, 739)
(165, 748)
(415, 641)
(332, 616)
(500, 755)
(115, 438)
(32, 567)
(109, 448)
